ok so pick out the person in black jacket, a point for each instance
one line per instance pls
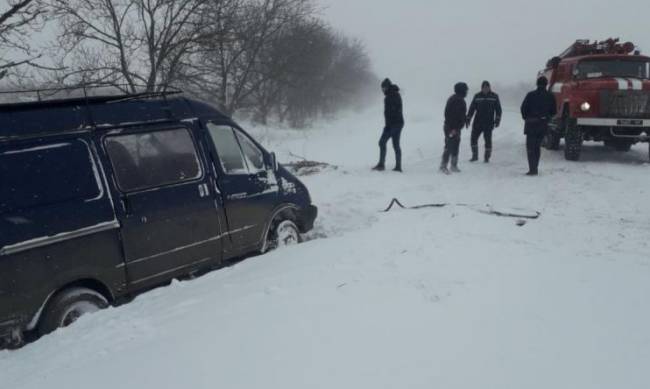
(488, 111)
(538, 108)
(394, 125)
(455, 119)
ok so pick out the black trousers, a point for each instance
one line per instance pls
(534, 150)
(395, 134)
(476, 134)
(452, 147)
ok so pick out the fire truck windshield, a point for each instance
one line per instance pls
(613, 68)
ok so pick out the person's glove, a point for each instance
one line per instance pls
(468, 122)
(497, 122)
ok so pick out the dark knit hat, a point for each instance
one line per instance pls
(386, 83)
(485, 83)
(461, 89)
(542, 82)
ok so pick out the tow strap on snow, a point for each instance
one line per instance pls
(489, 211)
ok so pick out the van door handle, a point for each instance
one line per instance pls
(204, 190)
(127, 206)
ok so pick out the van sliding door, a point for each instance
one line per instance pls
(169, 217)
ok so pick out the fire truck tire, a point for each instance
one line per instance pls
(572, 142)
(552, 140)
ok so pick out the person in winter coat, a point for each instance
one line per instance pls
(538, 108)
(488, 111)
(394, 124)
(455, 120)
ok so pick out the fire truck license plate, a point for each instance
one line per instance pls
(630, 122)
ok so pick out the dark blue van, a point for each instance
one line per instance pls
(102, 198)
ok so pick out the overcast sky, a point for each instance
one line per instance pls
(425, 45)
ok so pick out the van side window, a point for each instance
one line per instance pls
(45, 174)
(152, 159)
(253, 155)
(227, 145)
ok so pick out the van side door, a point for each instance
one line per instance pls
(248, 184)
(169, 215)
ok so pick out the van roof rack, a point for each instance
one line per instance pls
(94, 93)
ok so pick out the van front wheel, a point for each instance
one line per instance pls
(68, 306)
(282, 233)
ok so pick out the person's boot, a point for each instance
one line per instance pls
(454, 165)
(474, 154)
(444, 163)
(381, 166)
(398, 162)
(488, 155)
(532, 169)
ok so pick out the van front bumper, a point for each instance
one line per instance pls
(307, 218)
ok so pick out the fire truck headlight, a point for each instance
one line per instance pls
(585, 107)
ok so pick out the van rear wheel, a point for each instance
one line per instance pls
(68, 306)
(623, 147)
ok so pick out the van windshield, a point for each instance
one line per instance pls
(613, 68)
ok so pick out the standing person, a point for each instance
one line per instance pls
(394, 125)
(488, 111)
(538, 108)
(455, 119)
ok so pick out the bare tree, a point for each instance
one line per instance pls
(311, 71)
(259, 57)
(132, 44)
(227, 69)
(16, 23)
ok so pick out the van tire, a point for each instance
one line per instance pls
(13, 341)
(67, 306)
(283, 232)
(623, 147)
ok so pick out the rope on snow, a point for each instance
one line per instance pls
(396, 202)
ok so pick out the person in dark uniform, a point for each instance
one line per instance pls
(538, 108)
(394, 124)
(488, 111)
(455, 119)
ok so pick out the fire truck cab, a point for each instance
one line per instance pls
(603, 94)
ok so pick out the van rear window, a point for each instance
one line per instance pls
(45, 174)
(152, 159)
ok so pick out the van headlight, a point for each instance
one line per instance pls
(585, 107)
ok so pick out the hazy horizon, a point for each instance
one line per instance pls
(426, 47)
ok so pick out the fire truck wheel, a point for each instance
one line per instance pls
(552, 140)
(572, 142)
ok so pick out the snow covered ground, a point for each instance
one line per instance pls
(435, 298)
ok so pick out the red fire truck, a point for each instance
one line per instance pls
(603, 94)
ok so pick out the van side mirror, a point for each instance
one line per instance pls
(274, 162)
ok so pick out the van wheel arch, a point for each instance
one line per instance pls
(284, 213)
(88, 283)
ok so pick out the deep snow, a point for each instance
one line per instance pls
(435, 298)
